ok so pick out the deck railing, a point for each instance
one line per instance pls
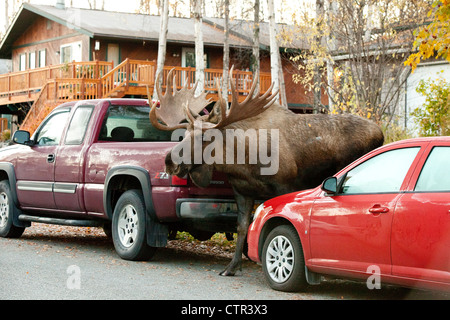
(25, 85)
(129, 77)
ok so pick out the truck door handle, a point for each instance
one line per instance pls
(377, 209)
(51, 158)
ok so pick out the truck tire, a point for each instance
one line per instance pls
(7, 212)
(128, 227)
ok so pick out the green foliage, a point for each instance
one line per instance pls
(433, 117)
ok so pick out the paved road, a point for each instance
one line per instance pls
(60, 264)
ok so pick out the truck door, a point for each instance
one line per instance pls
(69, 163)
(35, 168)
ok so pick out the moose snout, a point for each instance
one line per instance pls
(175, 169)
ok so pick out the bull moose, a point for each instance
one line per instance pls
(309, 147)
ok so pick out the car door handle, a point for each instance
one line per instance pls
(377, 209)
(51, 158)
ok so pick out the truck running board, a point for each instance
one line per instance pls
(64, 222)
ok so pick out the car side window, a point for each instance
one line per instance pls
(435, 174)
(50, 133)
(78, 125)
(383, 173)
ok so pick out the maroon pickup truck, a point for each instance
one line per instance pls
(101, 163)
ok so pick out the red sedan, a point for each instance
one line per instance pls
(385, 218)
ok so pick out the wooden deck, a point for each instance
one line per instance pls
(92, 80)
(47, 87)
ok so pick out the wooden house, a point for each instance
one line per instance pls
(60, 53)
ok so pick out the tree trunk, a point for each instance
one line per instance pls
(226, 51)
(255, 62)
(6, 16)
(275, 59)
(199, 55)
(162, 42)
(317, 72)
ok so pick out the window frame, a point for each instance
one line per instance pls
(38, 132)
(432, 148)
(342, 179)
(91, 108)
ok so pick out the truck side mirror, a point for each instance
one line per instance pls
(22, 137)
(330, 185)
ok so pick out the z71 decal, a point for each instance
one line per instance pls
(162, 175)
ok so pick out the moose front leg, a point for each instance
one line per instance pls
(245, 208)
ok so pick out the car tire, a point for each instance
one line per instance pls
(7, 212)
(129, 227)
(282, 260)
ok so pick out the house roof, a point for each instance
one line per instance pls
(98, 23)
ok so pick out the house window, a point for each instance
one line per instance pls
(22, 62)
(188, 58)
(32, 60)
(71, 52)
(42, 58)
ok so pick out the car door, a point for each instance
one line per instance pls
(351, 230)
(421, 225)
(69, 162)
(35, 168)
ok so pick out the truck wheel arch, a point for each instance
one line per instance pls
(135, 177)
(119, 175)
(7, 172)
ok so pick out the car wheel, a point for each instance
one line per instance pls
(7, 212)
(282, 259)
(128, 227)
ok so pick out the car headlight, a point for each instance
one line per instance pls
(258, 211)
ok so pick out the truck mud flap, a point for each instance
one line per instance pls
(157, 233)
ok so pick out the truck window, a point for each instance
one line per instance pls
(50, 132)
(130, 123)
(78, 125)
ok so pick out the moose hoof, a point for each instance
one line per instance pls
(227, 273)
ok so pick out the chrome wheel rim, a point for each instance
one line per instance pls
(280, 259)
(4, 209)
(128, 226)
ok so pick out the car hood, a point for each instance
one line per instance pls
(298, 197)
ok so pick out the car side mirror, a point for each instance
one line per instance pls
(330, 185)
(22, 137)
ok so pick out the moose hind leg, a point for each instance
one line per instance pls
(245, 208)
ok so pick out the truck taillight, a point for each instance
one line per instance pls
(176, 181)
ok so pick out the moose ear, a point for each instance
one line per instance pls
(201, 175)
(216, 113)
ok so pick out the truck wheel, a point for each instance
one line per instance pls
(282, 259)
(128, 227)
(7, 212)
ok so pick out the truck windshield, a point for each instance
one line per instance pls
(130, 123)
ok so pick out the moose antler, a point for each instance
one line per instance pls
(170, 110)
(250, 107)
